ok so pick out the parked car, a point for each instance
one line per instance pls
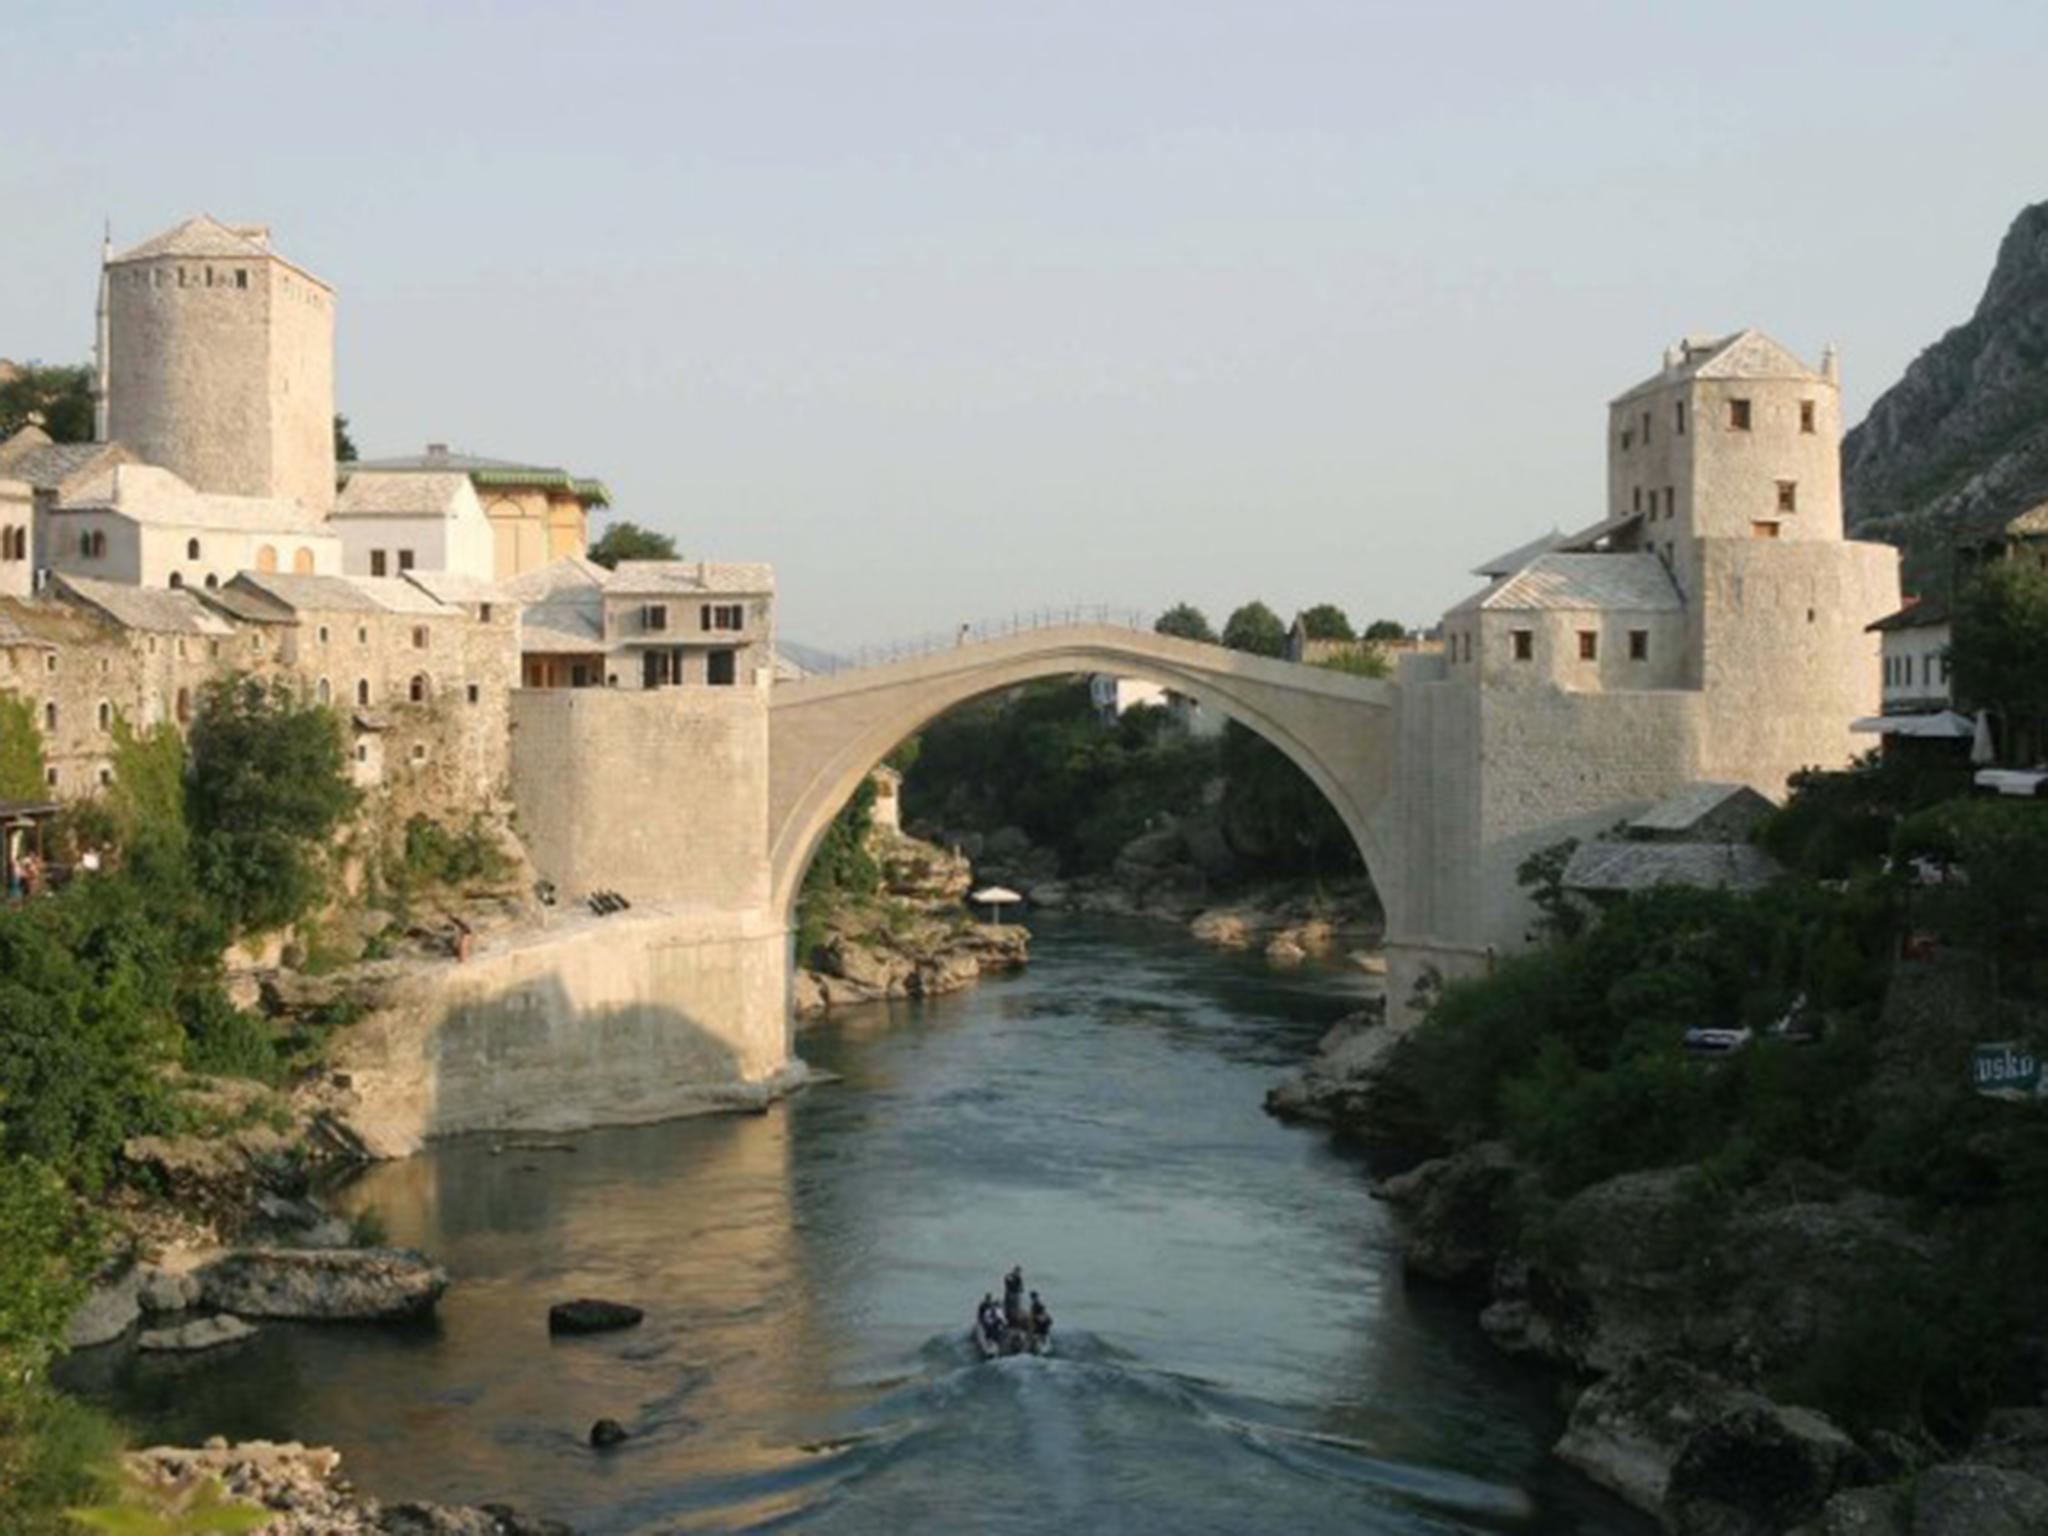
(1715, 1041)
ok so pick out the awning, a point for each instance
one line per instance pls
(1945, 724)
(2026, 783)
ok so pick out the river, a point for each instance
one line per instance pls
(1237, 1349)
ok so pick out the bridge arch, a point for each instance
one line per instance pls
(828, 733)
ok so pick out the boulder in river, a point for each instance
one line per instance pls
(200, 1333)
(1460, 1211)
(587, 1315)
(606, 1433)
(323, 1284)
(109, 1310)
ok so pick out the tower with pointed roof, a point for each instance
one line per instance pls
(218, 362)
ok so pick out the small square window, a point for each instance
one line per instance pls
(1525, 644)
(1738, 415)
(323, 634)
(379, 564)
(419, 637)
(1788, 495)
(362, 634)
(1589, 645)
(475, 693)
(1639, 645)
(405, 559)
(1806, 416)
(1762, 529)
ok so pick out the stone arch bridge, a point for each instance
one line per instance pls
(826, 733)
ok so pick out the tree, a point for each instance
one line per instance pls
(629, 541)
(1386, 629)
(1257, 629)
(1184, 621)
(1999, 651)
(61, 395)
(344, 445)
(1326, 621)
(269, 784)
(21, 751)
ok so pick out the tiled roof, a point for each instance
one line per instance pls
(409, 494)
(296, 593)
(1928, 613)
(30, 455)
(2030, 524)
(556, 628)
(14, 633)
(1617, 583)
(654, 577)
(1693, 804)
(571, 573)
(483, 472)
(453, 587)
(1513, 560)
(1617, 867)
(160, 610)
(202, 235)
(1744, 354)
(150, 494)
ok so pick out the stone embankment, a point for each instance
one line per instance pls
(305, 1494)
(1681, 1309)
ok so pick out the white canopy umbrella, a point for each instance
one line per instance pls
(995, 898)
(1980, 742)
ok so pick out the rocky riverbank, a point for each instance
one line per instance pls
(1687, 1317)
(305, 1494)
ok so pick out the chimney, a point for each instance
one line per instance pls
(1831, 364)
(437, 450)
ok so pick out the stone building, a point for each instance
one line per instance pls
(390, 524)
(217, 363)
(17, 538)
(538, 514)
(647, 624)
(1710, 627)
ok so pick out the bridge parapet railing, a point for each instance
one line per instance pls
(1019, 622)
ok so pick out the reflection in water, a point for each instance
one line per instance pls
(1236, 1349)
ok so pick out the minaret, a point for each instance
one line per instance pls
(100, 364)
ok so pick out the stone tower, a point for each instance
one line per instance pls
(218, 363)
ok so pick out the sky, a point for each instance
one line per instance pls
(951, 309)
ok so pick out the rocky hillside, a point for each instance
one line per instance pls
(1960, 444)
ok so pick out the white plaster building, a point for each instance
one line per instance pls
(1915, 643)
(391, 524)
(1713, 626)
(1112, 695)
(141, 524)
(17, 538)
(647, 624)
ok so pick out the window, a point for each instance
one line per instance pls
(212, 581)
(1639, 645)
(419, 637)
(302, 561)
(1638, 499)
(1806, 416)
(483, 613)
(322, 632)
(106, 777)
(379, 563)
(475, 693)
(191, 549)
(362, 751)
(362, 634)
(177, 581)
(1678, 417)
(1525, 644)
(416, 690)
(183, 708)
(49, 661)
(13, 544)
(1671, 501)
(322, 692)
(405, 559)
(654, 616)
(106, 717)
(241, 277)
(1589, 645)
(50, 777)
(1646, 426)
(362, 692)
(1788, 495)
(1738, 415)
(1763, 530)
(50, 716)
(266, 557)
(255, 644)
(419, 751)
(723, 616)
(721, 669)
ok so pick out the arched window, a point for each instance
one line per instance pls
(191, 549)
(266, 557)
(50, 716)
(362, 690)
(176, 581)
(184, 706)
(417, 689)
(106, 716)
(302, 561)
(322, 692)
(212, 581)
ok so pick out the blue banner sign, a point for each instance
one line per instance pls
(2005, 1069)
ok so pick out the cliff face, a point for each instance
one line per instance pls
(1960, 444)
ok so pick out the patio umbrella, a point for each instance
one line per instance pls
(995, 898)
(1980, 744)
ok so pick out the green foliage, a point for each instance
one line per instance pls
(1999, 652)
(21, 751)
(433, 855)
(147, 797)
(1326, 621)
(1840, 823)
(1186, 622)
(51, 1244)
(61, 394)
(344, 445)
(199, 1506)
(842, 869)
(1999, 905)
(268, 788)
(1256, 628)
(1386, 629)
(1541, 874)
(1277, 821)
(54, 1453)
(629, 541)
(368, 1229)
(1359, 661)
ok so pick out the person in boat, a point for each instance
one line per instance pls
(1013, 1297)
(1041, 1320)
(988, 1317)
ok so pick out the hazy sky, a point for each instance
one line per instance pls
(948, 308)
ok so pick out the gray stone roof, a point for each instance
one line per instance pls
(1744, 354)
(454, 587)
(1617, 867)
(1629, 582)
(1928, 613)
(1694, 803)
(158, 610)
(148, 493)
(688, 577)
(410, 494)
(440, 460)
(561, 628)
(295, 593)
(201, 236)
(48, 466)
(1513, 560)
(14, 633)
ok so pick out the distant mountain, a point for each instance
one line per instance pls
(1960, 444)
